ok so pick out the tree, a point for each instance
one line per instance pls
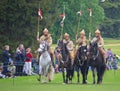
(71, 21)
(110, 27)
(18, 19)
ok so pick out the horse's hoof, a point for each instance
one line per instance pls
(84, 83)
(100, 82)
(38, 79)
(94, 83)
(49, 80)
(44, 82)
(63, 83)
(70, 82)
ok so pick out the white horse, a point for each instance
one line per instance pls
(45, 64)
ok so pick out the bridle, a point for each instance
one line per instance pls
(94, 53)
(79, 53)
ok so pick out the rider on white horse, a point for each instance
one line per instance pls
(47, 37)
(45, 63)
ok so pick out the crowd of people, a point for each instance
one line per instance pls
(24, 62)
(20, 65)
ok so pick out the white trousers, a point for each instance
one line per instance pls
(28, 68)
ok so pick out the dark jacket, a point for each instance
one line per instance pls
(5, 57)
(19, 58)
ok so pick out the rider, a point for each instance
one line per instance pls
(81, 41)
(70, 45)
(98, 38)
(47, 37)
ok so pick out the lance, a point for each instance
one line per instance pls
(90, 33)
(78, 28)
(38, 25)
(62, 23)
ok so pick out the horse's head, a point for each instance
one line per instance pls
(93, 50)
(43, 47)
(60, 44)
(83, 52)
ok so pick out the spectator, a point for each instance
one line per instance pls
(11, 69)
(1, 70)
(115, 63)
(109, 58)
(109, 53)
(28, 61)
(19, 59)
(57, 54)
(5, 59)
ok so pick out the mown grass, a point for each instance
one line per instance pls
(111, 82)
(111, 41)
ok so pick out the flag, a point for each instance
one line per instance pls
(40, 14)
(90, 10)
(79, 12)
(63, 17)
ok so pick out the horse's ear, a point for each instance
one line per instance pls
(96, 44)
(90, 44)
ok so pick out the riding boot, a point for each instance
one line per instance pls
(52, 60)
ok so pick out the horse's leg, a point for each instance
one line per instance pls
(83, 71)
(78, 75)
(63, 74)
(87, 69)
(102, 70)
(93, 73)
(98, 75)
(71, 73)
(67, 76)
(39, 74)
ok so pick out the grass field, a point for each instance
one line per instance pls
(111, 82)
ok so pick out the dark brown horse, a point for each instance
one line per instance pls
(65, 62)
(81, 63)
(96, 62)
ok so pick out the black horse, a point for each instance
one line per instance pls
(81, 63)
(96, 62)
(65, 62)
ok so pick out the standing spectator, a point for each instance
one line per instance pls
(109, 53)
(28, 61)
(5, 59)
(57, 55)
(19, 59)
(109, 58)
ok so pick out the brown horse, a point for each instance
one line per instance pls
(96, 62)
(81, 64)
(65, 62)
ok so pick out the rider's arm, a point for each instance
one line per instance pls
(50, 41)
(101, 44)
(94, 40)
(70, 46)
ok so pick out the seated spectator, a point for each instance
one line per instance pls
(115, 63)
(28, 61)
(5, 59)
(19, 59)
(11, 69)
(1, 70)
